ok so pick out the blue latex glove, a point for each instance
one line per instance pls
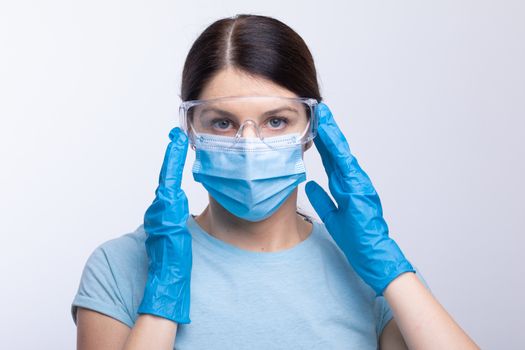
(356, 223)
(168, 243)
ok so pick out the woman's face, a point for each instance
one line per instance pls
(234, 82)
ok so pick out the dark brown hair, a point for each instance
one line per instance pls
(258, 45)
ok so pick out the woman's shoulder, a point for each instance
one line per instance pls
(126, 252)
(124, 257)
(127, 245)
(114, 276)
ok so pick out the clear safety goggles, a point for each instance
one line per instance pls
(235, 118)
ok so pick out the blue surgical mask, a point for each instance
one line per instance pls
(249, 179)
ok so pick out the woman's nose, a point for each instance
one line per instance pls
(249, 129)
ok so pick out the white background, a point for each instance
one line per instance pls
(431, 96)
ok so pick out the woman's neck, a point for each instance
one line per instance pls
(283, 230)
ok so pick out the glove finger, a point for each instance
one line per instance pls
(322, 203)
(171, 173)
(330, 141)
(169, 210)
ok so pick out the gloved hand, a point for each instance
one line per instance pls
(168, 243)
(356, 223)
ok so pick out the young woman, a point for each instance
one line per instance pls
(254, 272)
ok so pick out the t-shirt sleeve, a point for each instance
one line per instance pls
(98, 289)
(384, 310)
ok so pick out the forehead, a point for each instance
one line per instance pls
(234, 82)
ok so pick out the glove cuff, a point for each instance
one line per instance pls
(392, 272)
(167, 300)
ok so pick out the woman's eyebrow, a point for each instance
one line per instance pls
(285, 108)
(217, 110)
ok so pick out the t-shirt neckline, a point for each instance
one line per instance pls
(231, 251)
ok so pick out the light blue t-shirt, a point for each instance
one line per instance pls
(304, 297)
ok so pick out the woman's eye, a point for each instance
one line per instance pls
(277, 123)
(222, 124)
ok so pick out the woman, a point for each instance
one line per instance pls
(261, 274)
